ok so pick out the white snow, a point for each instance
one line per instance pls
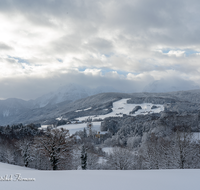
(84, 109)
(59, 118)
(78, 110)
(102, 160)
(99, 179)
(45, 126)
(121, 107)
(87, 109)
(107, 150)
(196, 136)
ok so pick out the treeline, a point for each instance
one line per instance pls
(179, 150)
(16, 144)
(55, 149)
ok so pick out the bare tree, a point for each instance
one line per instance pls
(56, 144)
(176, 151)
(25, 147)
(158, 152)
(92, 161)
(151, 153)
(183, 146)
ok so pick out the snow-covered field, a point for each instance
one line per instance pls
(77, 127)
(121, 107)
(84, 109)
(98, 180)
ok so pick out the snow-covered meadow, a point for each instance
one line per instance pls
(99, 179)
(77, 127)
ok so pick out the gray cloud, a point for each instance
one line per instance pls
(5, 47)
(33, 87)
(147, 39)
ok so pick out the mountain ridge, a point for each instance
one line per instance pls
(13, 110)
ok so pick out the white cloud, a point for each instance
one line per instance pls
(177, 53)
(93, 72)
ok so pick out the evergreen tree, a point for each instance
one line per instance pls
(83, 158)
(84, 133)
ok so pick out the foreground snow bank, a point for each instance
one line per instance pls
(98, 180)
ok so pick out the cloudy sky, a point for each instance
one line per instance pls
(131, 45)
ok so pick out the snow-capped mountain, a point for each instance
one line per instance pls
(11, 108)
(65, 102)
(70, 92)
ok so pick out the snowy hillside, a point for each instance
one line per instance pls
(98, 180)
(14, 111)
(121, 107)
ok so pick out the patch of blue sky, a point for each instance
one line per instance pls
(108, 54)
(190, 52)
(107, 70)
(19, 60)
(82, 68)
(60, 60)
(166, 50)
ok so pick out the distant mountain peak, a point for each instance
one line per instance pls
(70, 92)
(164, 86)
